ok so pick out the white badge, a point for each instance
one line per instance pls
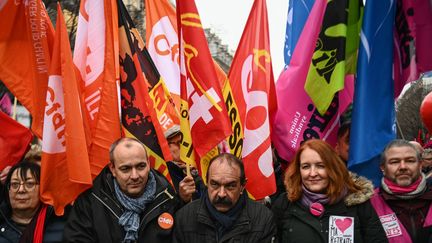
(341, 229)
(391, 225)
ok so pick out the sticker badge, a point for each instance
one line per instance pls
(341, 229)
(166, 221)
(391, 225)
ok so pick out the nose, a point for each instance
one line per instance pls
(222, 192)
(134, 174)
(21, 188)
(312, 172)
(402, 164)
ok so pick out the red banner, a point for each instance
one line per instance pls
(253, 88)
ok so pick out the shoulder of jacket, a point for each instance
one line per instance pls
(366, 192)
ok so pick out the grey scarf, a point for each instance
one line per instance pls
(130, 219)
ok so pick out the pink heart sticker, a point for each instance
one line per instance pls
(343, 224)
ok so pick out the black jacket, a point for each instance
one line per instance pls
(10, 233)
(296, 224)
(193, 224)
(95, 215)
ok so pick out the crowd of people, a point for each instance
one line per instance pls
(320, 200)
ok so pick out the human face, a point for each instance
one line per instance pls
(313, 171)
(26, 197)
(224, 187)
(174, 146)
(401, 165)
(342, 147)
(130, 168)
(427, 159)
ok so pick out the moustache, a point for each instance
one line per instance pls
(222, 201)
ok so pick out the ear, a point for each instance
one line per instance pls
(112, 168)
(382, 168)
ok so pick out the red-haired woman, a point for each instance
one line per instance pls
(323, 202)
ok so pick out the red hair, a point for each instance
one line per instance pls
(338, 174)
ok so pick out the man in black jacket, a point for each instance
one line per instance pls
(224, 213)
(129, 202)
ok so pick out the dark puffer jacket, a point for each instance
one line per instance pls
(194, 224)
(10, 233)
(296, 224)
(95, 215)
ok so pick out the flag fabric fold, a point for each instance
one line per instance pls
(15, 141)
(203, 111)
(298, 12)
(252, 83)
(138, 77)
(373, 115)
(65, 168)
(26, 40)
(96, 59)
(327, 70)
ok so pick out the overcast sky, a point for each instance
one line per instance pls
(227, 19)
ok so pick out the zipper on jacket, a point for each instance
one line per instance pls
(170, 197)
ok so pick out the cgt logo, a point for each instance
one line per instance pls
(166, 221)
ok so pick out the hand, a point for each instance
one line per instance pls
(187, 188)
(4, 173)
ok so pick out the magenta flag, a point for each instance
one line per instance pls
(297, 119)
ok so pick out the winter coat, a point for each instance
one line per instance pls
(9, 231)
(96, 212)
(296, 224)
(414, 215)
(193, 224)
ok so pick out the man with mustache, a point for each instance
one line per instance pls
(224, 213)
(129, 201)
(403, 202)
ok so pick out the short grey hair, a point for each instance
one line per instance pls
(399, 143)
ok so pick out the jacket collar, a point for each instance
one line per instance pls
(242, 225)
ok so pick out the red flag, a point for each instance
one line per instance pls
(14, 141)
(96, 58)
(26, 35)
(252, 83)
(203, 107)
(65, 164)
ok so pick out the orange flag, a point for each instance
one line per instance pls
(65, 164)
(162, 44)
(252, 83)
(96, 58)
(202, 101)
(26, 35)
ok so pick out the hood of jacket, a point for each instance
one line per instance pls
(365, 193)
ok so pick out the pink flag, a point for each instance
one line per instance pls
(297, 119)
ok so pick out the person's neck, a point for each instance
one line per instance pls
(23, 216)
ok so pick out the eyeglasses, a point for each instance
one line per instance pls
(28, 185)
